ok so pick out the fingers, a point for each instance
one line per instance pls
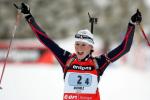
(139, 16)
(23, 4)
(19, 7)
(138, 12)
(16, 6)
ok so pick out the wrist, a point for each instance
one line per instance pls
(131, 22)
(27, 16)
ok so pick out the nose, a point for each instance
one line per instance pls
(80, 47)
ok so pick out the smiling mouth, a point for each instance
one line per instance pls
(80, 52)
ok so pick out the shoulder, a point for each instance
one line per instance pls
(101, 59)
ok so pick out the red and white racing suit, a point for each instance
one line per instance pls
(81, 81)
(82, 77)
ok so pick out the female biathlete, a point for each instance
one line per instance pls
(81, 70)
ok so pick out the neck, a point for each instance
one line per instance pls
(86, 58)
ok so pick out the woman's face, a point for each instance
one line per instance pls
(82, 49)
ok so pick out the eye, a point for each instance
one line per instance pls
(77, 44)
(83, 44)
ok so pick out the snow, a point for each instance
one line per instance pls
(45, 82)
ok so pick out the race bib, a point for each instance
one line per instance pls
(80, 82)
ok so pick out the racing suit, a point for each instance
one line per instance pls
(82, 77)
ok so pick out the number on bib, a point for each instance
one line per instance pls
(80, 80)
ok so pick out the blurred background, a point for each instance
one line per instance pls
(32, 72)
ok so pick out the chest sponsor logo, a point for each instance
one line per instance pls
(70, 97)
(79, 97)
(86, 68)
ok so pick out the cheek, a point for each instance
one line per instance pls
(88, 49)
(76, 47)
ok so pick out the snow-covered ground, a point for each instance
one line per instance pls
(45, 82)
